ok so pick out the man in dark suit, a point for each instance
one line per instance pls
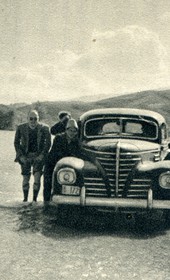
(32, 143)
(60, 126)
(64, 145)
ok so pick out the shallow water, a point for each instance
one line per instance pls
(35, 244)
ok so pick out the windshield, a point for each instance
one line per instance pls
(112, 127)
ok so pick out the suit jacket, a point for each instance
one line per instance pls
(22, 138)
(57, 128)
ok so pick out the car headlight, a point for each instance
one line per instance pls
(164, 180)
(66, 176)
(148, 157)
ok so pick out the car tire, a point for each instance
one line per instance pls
(68, 215)
(150, 221)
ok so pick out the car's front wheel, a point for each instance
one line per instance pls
(150, 221)
(69, 215)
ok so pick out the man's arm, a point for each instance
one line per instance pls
(57, 149)
(17, 139)
(47, 140)
(46, 144)
(17, 143)
(57, 128)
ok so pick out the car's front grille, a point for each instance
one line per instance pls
(117, 166)
(95, 187)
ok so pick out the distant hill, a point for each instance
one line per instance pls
(48, 111)
(6, 117)
(158, 101)
(14, 114)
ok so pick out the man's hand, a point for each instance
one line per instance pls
(23, 159)
(39, 158)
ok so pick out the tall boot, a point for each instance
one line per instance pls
(25, 192)
(35, 195)
(25, 186)
(36, 185)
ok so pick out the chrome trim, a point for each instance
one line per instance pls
(93, 178)
(141, 180)
(117, 168)
(112, 202)
(92, 189)
(83, 196)
(138, 190)
(150, 199)
(136, 185)
(123, 153)
(94, 184)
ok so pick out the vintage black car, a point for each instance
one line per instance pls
(124, 164)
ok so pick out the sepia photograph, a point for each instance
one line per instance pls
(85, 139)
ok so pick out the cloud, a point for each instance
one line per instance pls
(133, 49)
(124, 60)
(165, 17)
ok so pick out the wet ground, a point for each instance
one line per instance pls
(36, 244)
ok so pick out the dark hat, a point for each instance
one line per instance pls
(62, 114)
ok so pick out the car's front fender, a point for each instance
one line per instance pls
(72, 162)
(150, 170)
(152, 167)
(80, 166)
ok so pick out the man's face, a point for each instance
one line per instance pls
(71, 133)
(65, 119)
(33, 119)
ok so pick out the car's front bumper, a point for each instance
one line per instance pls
(82, 200)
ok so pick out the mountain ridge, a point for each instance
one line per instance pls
(12, 115)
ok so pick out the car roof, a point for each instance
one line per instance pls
(124, 112)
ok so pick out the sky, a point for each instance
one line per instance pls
(82, 49)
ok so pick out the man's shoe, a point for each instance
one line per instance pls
(34, 203)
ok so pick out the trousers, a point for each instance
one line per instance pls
(37, 169)
(48, 171)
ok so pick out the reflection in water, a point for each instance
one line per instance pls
(75, 223)
(35, 242)
(29, 219)
(38, 219)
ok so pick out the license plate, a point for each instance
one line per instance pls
(70, 190)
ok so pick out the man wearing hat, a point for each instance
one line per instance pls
(60, 126)
(64, 145)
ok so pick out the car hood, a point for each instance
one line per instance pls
(108, 145)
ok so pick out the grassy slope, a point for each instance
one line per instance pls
(153, 100)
